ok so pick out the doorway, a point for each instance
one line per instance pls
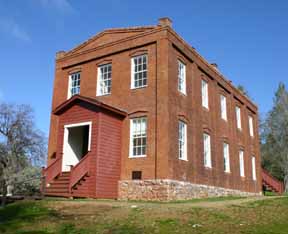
(77, 143)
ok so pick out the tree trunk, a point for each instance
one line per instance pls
(286, 183)
(4, 193)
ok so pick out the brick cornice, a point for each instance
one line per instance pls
(208, 68)
(131, 38)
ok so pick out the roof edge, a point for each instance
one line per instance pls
(107, 31)
(218, 73)
(89, 100)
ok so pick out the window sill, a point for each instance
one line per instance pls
(139, 87)
(205, 108)
(208, 167)
(103, 95)
(183, 159)
(227, 172)
(138, 156)
(182, 94)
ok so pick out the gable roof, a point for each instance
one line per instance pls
(77, 98)
(108, 36)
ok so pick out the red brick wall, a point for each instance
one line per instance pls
(161, 102)
(199, 120)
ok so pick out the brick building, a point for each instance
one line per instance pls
(137, 113)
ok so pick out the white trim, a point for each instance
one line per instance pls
(183, 90)
(223, 107)
(238, 117)
(98, 82)
(241, 163)
(99, 74)
(131, 139)
(79, 125)
(69, 93)
(184, 158)
(207, 150)
(226, 156)
(132, 85)
(251, 126)
(205, 93)
(132, 74)
(69, 87)
(254, 168)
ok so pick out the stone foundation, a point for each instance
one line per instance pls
(167, 190)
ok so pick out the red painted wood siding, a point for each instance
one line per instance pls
(108, 156)
(105, 153)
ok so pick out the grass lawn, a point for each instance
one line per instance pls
(220, 215)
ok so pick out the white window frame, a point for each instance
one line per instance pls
(69, 95)
(241, 163)
(181, 77)
(207, 150)
(133, 73)
(205, 93)
(226, 157)
(132, 127)
(254, 177)
(101, 88)
(223, 106)
(251, 125)
(182, 140)
(238, 117)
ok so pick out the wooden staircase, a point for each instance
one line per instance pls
(81, 189)
(59, 187)
(75, 183)
(271, 184)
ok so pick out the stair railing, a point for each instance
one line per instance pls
(52, 171)
(79, 171)
(277, 185)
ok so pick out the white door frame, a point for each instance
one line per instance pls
(65, 141)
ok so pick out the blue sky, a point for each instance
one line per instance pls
(247, 39)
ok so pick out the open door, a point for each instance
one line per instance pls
(77, 142)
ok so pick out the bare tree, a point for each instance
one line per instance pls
(21, 144)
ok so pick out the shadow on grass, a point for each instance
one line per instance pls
(21, 214)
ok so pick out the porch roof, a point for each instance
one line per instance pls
(76, 98)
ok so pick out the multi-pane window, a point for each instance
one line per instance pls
(253, 168)
(223, 105)
(104, 79)
(238, 117)
(138, 137)
(207, 150)
(139, 71)
(182, 128)
(181, 77)
(241, 162)
(74, 84)
(251, 127)
(226, 157)
(205, 102)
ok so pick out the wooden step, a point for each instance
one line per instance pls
(58, 186)
(57, 194)
(60, 190)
